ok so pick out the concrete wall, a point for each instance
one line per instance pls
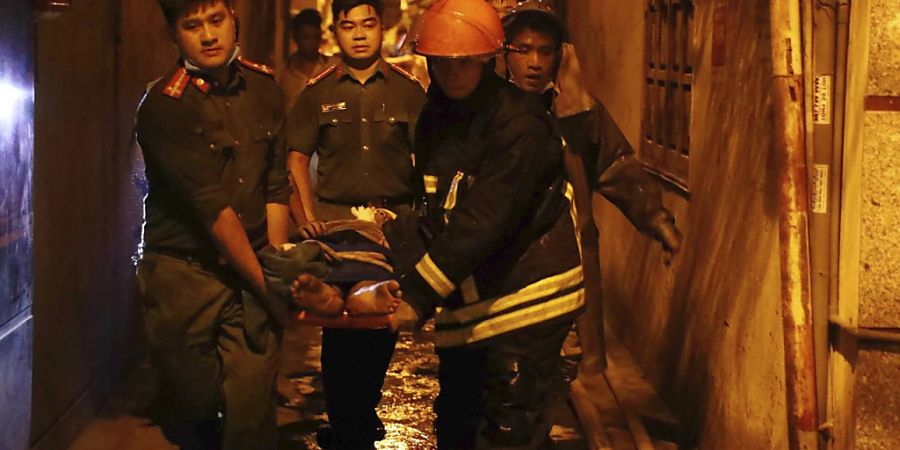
(880, 285)
(707, 327)
(878, 369)
(87, 211)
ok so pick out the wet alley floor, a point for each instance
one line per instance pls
(406, 406)
(410, 387)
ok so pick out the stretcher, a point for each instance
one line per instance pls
(344, 321)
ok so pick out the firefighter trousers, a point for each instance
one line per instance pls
(494, 394)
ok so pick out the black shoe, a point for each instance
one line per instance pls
(325, 435)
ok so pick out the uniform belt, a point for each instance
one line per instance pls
(190, 256)
(378, 202)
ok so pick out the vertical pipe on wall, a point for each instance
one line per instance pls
(823, 92)
(789, 143)
(854, 70)
(837, 154)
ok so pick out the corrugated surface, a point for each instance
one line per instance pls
(86, 211)
(15, 386)
(16, 166)
(16, 158)
(878, 400)
(706, 330)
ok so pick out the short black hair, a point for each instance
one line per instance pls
(309, 17)
(344, 6)
(174, 9)
(535, 21)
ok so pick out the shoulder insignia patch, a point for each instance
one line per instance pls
(201, 84)
(321, 76)
(403, 72)
(175, 87)
(256, 66)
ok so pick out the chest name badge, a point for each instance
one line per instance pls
(332, 107)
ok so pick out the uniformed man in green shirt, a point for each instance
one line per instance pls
(359, 116)
(211, 134)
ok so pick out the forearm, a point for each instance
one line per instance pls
(231, 240)
(634, 191)
(298, 165)
(295, 205)
(278, 220)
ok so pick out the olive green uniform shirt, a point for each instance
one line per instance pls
(208, 147)
(363, 133)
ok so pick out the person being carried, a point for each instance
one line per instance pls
(347, 268)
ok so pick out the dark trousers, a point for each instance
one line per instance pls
(196, 325)
(493, 395)
(354, 363)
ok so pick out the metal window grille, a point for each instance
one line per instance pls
(666, 137)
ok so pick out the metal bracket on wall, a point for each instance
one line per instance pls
(882, 103)
(863, 334)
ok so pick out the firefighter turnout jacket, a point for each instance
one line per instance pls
(500, 248)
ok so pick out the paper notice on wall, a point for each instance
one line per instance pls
(819, 194)
(822, 100)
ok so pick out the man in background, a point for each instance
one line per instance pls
(308, 60)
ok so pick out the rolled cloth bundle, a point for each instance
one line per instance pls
(348, 252)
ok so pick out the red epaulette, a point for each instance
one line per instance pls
(262, 68)
(403, 72)
(321, 76)
(175, 87)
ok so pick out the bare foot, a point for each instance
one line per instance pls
(375, 299)
(317, 297)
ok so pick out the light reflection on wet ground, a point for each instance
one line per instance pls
(406, 407)
(409, 391)
(410, 387)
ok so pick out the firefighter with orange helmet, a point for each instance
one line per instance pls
(500, 269)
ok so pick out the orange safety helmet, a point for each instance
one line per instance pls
(459, 28)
